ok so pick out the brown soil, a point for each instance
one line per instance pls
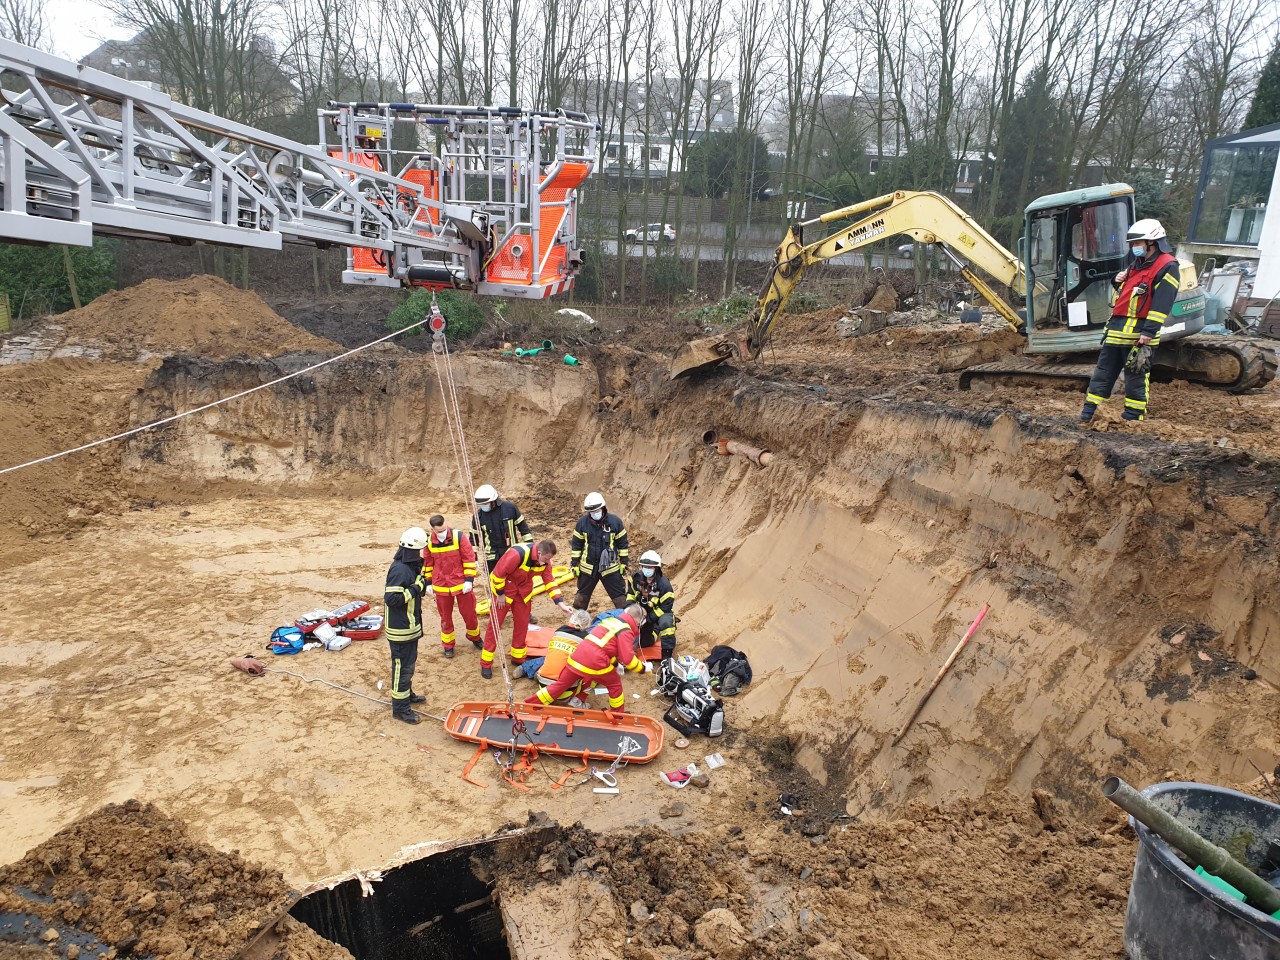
(201, 315)
(970, 878)
(134, 881)
(896, 506)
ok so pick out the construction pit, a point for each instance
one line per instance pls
(156, 802)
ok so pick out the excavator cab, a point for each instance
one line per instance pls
(1073, 246)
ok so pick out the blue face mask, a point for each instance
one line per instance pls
(647, 571)
(597, 514)
(1139, 252)
(486, 507)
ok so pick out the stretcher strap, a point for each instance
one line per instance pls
(515, 773)
(572, 770)
(471, 765)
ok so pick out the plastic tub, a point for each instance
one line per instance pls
(1175, 914)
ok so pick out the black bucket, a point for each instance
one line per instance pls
(1175, 914)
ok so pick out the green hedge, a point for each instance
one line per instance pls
(35, 278)
(463, 316)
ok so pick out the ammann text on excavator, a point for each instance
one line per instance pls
(1072, 247)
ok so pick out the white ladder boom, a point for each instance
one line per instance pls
(485, 198)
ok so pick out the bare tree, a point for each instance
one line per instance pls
(26, 22)
(212, 53)
(754, 38)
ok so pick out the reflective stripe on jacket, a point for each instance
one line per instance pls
(560, 648)
(610, 642)
(513, 574)
(590, 537)
(447, 566)
(659, 601)
(1144, 301)
(403, 600)
(500, 529)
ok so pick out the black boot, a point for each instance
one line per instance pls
(407, 716)
(416, 697)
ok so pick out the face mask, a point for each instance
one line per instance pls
(486, 507)
(647, 571)
(1139, 252)
(597, 514)
(441, 535)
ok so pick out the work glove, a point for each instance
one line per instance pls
(1139, 361)
(466, 586)
(648, 667)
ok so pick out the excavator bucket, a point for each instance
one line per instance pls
(702, 355)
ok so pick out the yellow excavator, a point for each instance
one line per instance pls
(1073, 245)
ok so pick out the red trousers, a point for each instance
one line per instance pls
(520, 630)
(570, 677)
(467, 607)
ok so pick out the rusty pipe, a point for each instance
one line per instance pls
(710, 437)
(727, 448)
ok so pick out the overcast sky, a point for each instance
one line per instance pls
(80, 25)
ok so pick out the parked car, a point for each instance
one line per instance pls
(652, 233)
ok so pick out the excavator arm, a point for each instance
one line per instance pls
(926, 217)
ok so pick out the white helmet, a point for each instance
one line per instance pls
(415, 538)
(650, 558)
(486, 494)
(593, 501)
(1146, 230)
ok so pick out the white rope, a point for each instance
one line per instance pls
(207, 406)
(338, 686)
(462, 461)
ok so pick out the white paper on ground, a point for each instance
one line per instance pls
(714, 760)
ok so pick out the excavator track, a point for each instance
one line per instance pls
(1027, 370)
(1235, 364)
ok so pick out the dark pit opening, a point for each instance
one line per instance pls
(435, 908)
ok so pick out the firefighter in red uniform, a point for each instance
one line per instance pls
(511, 583)
(450, 568)
(1146, 294)
(611, 642)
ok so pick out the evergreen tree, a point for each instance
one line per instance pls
(1265, 108)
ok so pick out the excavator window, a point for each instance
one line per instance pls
(1100, 232)
(1096, 252)
(1042, 234)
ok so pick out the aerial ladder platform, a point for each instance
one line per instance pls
(439, 196)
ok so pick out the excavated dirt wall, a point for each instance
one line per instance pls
(1121, 581)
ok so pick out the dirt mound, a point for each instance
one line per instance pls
(996, 877)
(128, 879)
(201, 315)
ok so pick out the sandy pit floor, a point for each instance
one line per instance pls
(897, 506)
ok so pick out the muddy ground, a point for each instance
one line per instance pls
(1131, 572)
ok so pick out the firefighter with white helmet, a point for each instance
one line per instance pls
(403, 628)
(600, 553)
(500, 524)
(1145, 295)
(652, 590)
